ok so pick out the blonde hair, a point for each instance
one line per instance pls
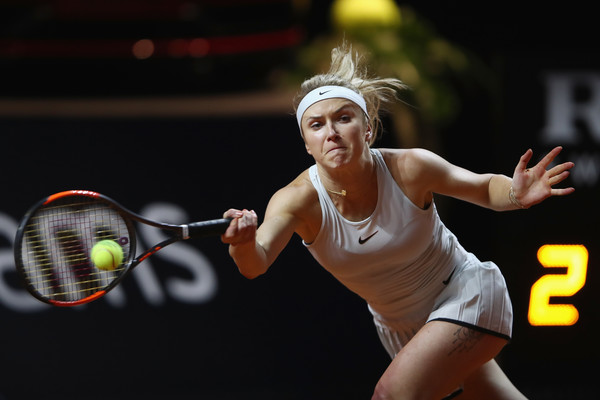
(347, 70)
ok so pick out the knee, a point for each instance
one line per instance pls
(381, 393)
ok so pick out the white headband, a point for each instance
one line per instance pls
(329, 92)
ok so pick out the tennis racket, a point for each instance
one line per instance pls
(55, 238)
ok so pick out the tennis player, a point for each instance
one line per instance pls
(368, 216)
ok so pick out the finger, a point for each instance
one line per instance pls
(558, 178)
(524, 160)
(231, 232)
(558, 169)
(245, 229)
(232, 213)
(548, 158)
(562, 191)
(248, 221)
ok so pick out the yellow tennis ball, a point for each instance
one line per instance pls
(107, 255)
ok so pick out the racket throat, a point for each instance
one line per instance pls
(185, 232)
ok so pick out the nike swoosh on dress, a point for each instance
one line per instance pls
(363, 241)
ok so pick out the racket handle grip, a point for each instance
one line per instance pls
(212, 227)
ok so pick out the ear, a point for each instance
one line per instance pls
(369, 133)
(305, 144)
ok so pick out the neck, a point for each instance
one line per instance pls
(350, 184)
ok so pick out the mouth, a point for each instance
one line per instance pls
(335, 149)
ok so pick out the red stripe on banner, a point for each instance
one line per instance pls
(123, 48)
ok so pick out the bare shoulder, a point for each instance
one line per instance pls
(408, 165)
(413, 171)
(298, 201)
(297, 194)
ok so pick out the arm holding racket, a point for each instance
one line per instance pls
(244, 248)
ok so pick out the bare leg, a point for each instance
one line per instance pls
(436, 361)
(490, 383)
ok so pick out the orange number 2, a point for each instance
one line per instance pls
(575, 259)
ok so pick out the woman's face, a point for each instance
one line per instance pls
(335, 131)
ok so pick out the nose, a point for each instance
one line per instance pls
(331, 131)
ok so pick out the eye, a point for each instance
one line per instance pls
(315, 125)
(345, 118)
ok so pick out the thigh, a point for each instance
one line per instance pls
(489, 382)
(436, 361)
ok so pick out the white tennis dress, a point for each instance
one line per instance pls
(408, 267)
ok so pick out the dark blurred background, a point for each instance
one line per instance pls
(180, 109)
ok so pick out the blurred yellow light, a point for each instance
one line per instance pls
(575, 259)
(355, 13)
(143, 49)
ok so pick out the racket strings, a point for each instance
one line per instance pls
(57, 245)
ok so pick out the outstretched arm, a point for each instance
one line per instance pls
(423, 173)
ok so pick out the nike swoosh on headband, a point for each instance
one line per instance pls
(329, 92)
